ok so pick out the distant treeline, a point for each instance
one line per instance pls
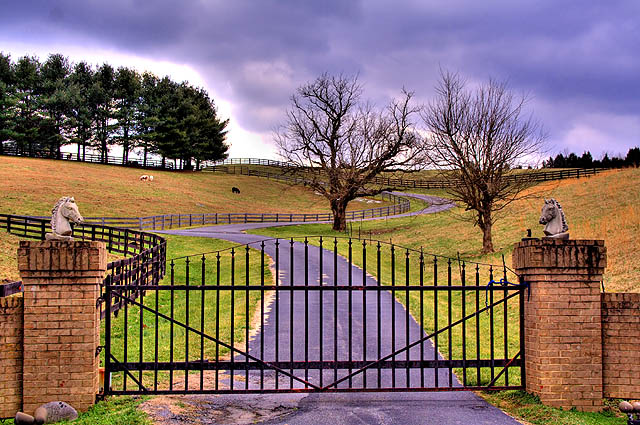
(46, 105)
(586, 160)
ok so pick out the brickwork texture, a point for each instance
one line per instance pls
(61, 321)
(621, 350)
(563, 330)
(11, 326)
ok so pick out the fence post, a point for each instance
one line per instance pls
(61, 321)
(563, 320)
(140, 222)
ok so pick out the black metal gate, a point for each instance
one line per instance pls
(285, 316)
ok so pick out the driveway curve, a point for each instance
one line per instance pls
(406, 408)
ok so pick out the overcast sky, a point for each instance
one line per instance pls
(578, 61)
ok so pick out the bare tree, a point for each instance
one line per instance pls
(477, 137)
(346, 141)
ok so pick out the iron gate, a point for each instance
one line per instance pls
(222, 322)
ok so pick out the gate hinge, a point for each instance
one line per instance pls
(99, 349)
(99, 301)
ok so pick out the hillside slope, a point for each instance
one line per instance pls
(32, 186)
(605, 206)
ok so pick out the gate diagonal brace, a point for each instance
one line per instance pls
(210, 338)
(503, 370)
(128, 372)
(421, 340)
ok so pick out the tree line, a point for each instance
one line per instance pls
(46, 105)
(586, 160)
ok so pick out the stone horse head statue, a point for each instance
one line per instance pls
(553, 217)
(64, 212)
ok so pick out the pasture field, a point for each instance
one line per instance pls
(32, 186)
(604, 206)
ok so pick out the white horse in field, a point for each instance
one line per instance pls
(64, 212)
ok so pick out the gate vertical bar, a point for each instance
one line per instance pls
(246, 317)
(506, 321)
(406, 325)
(306, 311)
(364, 310)
(478, 373)
(422, 329)
(171, 338)
(186, 331)
(232, 316)
(463, 295)
(262, 314)
(393, 315)
(202, 302)
(335, 309)
(350, 297)
(217, 382)
(277, 244)
(449, 320)
(436, 355)
(379, 311)
(291, 306)
(491, 330)
(321, 310)
(523, 374)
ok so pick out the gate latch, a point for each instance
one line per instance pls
(99, 349)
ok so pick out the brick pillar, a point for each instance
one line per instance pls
(10, 356)
(563, 320)
(61, 322)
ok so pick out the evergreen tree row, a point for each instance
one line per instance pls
(586, 160)
(45, 105)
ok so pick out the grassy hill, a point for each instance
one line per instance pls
(605, 206)
(32, 186)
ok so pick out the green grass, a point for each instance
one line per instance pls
(112, 411)
(528, 407)
(181, 246)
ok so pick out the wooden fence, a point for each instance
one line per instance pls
(145, 253)
(171, 221)
(297, 177)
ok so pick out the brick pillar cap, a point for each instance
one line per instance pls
(67, 256)
(560, 255)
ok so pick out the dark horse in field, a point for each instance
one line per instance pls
(235, 190)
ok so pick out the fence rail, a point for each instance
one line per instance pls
(170, 221)
(90, 157)
(146, 264)
(298, 177)
(231, 164)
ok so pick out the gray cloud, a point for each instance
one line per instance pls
(576, 59)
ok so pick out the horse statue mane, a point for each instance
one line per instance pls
(64, 212)
(553, 218)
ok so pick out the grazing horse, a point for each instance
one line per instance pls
(553, 218)
(64, 212)
(144, 178)
(235, 190)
